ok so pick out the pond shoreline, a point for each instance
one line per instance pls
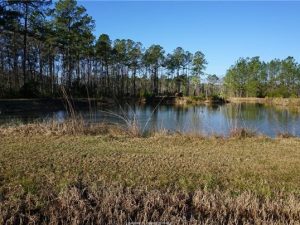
(203, 117)
(167, 100)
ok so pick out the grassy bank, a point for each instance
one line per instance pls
(291, 102)
(115, 179)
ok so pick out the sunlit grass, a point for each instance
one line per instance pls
(256, 164)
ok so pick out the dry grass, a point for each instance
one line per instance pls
(115, 179)
(281, 102)
(117, 206)
(285, 135)
(248, 100)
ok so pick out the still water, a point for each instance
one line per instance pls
(204, 119)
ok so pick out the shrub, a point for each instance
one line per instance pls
(30, 89)
(280, 92)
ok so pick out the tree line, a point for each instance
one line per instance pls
(251, 77)
(45, 46)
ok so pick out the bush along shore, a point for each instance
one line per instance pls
(74, 174)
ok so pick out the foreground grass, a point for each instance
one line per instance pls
(180, 179)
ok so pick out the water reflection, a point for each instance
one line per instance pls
(205, 119)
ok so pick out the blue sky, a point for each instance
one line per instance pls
(223, 31)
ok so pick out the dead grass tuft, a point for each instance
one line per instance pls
(285, 135)
(242, 133)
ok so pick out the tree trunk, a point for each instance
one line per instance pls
(25, 42)
(134, 80)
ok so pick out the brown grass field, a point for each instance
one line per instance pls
(115, 178)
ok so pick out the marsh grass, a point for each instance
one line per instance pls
(130, 123)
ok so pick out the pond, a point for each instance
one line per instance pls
(204, 119)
